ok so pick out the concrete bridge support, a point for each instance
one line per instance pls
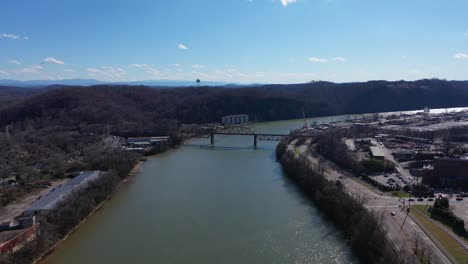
(212, 138)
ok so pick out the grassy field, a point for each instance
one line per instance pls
(422, 208)
(401, 194)
(450, 244)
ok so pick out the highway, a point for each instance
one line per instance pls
(383, 205)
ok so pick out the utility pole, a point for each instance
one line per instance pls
(304, 116)
(7, 133)
(407, 213)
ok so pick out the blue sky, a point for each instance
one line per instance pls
(267, 41)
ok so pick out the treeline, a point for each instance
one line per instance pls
(58, 223)
(331, 146)
(363, 229)
(138, 110)
(441, 212)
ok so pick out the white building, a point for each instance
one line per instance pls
(235, 119)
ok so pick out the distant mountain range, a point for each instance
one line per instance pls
(91, 82)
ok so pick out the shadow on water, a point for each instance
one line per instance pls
(203, 146)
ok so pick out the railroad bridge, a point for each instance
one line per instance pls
(229, 131)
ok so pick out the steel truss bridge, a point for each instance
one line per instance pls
(230, 131)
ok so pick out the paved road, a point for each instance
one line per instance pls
(381, 204)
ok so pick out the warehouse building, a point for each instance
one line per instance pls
(53, 198)
(144, 142)
(377, 153)
(447, 172)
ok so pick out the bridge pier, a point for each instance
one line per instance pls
(255, 141)
(212, 138)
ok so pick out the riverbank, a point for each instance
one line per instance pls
(59, 224)
(364, 229)
(135, 170)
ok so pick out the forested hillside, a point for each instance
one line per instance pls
(138, 110)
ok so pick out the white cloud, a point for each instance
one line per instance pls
(315, 59)
(14, 62)
(340, 59)
(460, 56)
(404, 57)
(69, 70)
(37, 67)
(182, 47)
(29, 70)
(10, 36)
(93, 70)
(4, 72)
(466, 33)
(325, 60)
(177, 65)
(53, 60)
(198, 66)
(287, 2)
(137, 65)
(107, 71)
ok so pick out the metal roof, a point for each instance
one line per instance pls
(50, 200)
(377, 152)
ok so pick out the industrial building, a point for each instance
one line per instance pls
(235, 119)
(446, 172)
(143, 142)
(377, 153)
(53, 198)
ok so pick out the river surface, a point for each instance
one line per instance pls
(199, 204)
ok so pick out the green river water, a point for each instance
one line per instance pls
(197, 204)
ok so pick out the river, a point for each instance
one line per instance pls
(197, 204)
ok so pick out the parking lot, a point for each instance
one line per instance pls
(392, 179)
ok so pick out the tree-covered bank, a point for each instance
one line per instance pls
(363, 228)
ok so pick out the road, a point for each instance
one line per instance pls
(12, 210)
(405, 236)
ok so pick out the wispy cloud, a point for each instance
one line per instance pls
(107, 71)
(287, 2)
(182, 47)
(53, 61)
(149, 69)
(340, 59)
(37, 67)
(4, 72)
(10, 36)
(325, 60)
(138, 65)
(13, 36)
(16, 62)
(69, 70)
(177, 65)
(29, 70)
(320, 60)
(198, 66)
(460, 56)
(466, 33)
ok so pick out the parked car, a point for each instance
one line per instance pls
(420, 199)
(459, 199)
(411, 199)
(393, 213)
